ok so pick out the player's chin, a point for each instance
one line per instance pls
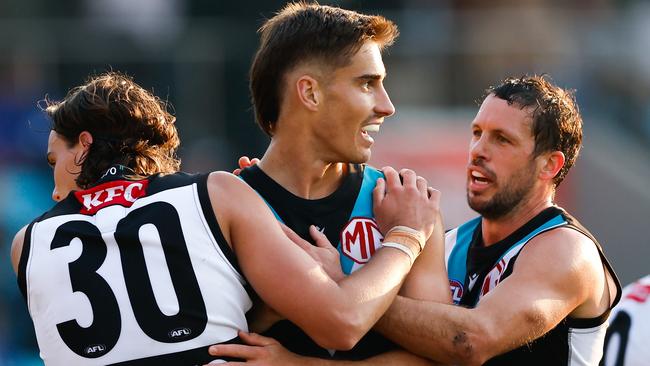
(361, 156)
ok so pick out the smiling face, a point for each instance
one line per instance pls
(355, 104)
(64, 161)
(502, 170)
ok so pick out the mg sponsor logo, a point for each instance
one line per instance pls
(456, 291)
(360, 238)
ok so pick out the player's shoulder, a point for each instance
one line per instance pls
(17, 247)
(224, 180)
(161, 182)
(563, 240)
(564, 252)
(227, 186)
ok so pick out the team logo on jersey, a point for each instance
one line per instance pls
(95, 350)
(495, 275)
(360, 238)
(456, 291)
(119, 192)
(179, 333)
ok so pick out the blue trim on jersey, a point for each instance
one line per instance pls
(556, 221)
(265, 201)
(362, 208)
(457, 262)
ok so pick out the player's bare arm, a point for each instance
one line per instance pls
(17, 248)
(267, 351)
(428, 279)
(559, 273)
(288, 279)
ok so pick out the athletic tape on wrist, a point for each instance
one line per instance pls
(407, 232)
(406, 250)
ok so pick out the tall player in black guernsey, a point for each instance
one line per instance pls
(138, 264)
(317, 87)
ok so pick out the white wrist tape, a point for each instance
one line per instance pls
(401, 230)
(402, 248)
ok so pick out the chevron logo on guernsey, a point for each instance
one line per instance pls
(360, 238)
(118, 192)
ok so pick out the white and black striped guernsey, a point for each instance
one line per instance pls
(626, 343)
(132, 272)
(474, 270)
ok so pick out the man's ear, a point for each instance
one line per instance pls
(552, 163)
(85, 140)
(309, 92)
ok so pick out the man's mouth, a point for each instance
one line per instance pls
(368, 129)
(479, 178)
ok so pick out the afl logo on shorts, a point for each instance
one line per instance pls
(360, 238)
(456, 291)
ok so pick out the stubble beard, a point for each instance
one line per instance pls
(514, 192)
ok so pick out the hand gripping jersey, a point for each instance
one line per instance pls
(474, 270)
(132, 272)
(626, 343)
(347, 220)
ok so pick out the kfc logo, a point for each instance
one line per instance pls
(360, 239)
(120, 192)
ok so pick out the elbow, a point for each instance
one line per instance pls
(467, 351)
(471, 347)
(341, 332)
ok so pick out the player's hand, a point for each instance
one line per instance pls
(258, 351)
(323, 252)
(244, 162)
(405, 199)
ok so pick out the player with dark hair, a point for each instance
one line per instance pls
(138, 264)
(534, 285)
(317, 84)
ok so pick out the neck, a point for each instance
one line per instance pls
(495, 230)
(300, 170)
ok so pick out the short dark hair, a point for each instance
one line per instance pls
(557, 124)
(303, 32)
(129, 125)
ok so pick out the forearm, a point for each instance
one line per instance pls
(428, 278)
(398, 357)
(440, 332)
(367, 293)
